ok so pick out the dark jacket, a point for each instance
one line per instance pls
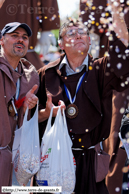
(94, 99)
(8, 78)
(94, 102)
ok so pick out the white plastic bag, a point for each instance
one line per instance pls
(57, 161)
(26, 149)
(125, 144)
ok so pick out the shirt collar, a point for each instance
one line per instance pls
(68, 69)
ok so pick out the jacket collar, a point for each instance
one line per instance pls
(90, 85)
(10, 73)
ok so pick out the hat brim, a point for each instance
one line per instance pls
(22, 25)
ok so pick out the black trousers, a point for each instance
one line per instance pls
(125, 184)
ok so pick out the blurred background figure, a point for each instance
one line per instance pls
(41, 15)
(46, 39)
(112, 144)
(93, 12)
(96, 14)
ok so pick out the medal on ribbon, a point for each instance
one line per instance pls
(12, 109)
(72, 109)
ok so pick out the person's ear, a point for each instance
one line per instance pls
(60, 42)
(1, 41)
(89, 41)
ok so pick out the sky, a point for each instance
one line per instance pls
(67, 7)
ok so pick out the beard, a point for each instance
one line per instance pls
(18, 52)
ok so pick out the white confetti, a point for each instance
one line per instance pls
(122, 110)
(108, 64)
(122, 85)
(117, 189)
(117, 49)
(119, 65)
(124, 186)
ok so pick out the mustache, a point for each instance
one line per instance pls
(18, 43)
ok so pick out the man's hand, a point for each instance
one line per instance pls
(31, 99)
(44, 113)
(119, 24)
(1, 3)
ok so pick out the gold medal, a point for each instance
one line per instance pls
(71, 111)
(11, 110)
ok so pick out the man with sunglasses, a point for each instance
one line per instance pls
(85, 86)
